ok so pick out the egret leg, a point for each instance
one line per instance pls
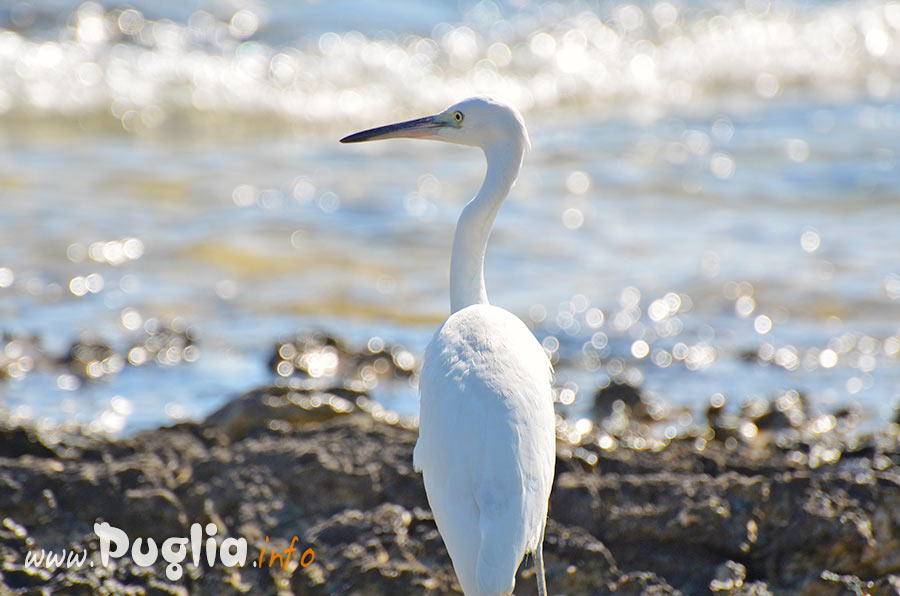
(539, 561)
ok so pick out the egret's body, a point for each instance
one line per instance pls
(486, 445)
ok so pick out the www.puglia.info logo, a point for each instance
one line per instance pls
(114, 543)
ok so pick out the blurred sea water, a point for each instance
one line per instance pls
(712, 204)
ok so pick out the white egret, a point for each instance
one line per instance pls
(486, 446)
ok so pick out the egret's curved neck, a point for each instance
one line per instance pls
(475, 223)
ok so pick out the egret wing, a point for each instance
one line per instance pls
(486, 443)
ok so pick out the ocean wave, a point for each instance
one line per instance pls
(120, 64)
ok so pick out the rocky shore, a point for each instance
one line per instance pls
(694, 516)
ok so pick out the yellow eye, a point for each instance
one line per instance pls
(458, 116)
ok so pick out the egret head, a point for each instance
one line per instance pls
(477, 121)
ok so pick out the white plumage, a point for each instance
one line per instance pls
(486, 445)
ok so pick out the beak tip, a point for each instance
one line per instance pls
(356, 137)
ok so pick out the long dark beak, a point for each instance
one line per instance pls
(411, 129)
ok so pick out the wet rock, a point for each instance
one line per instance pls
(681, 520)
(90, 358)
(386, 550)
(788, 410)
(731, 578)
(716, 409)
(773, 420)
(782, 419)
(848, 418)
(19, 355)
(617, 397)
(314, 354)
(318, 355)
(786, 526)
(839, 584)
(18, 441)
(576, 562)
(167, 344)
(641, 583)
(717, 419)
(750, 356)
(276, 407)
(157, 508)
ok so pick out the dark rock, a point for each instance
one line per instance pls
(773, 420)
(750, 356)
(641, 583)
(787, 411)
(279, 407)
(19, 355)
(320, 356)
(167, 344)
(386, 550)
(90, 358)
(678, 521)
(18, 441)
(715, 411)
(606, 398)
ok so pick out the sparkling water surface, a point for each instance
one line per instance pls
(712, 202)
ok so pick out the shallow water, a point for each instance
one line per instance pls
(707, 182)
